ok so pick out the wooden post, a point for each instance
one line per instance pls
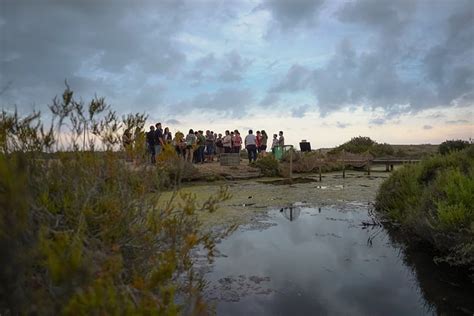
(368, 167)
(320, 167)
(387, 168)
(391, 167)
(343, 165)
(291, 163)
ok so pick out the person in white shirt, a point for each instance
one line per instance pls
(251, 146)
(227, 142)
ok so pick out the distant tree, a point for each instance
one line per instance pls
(452, 145)
(363, 144)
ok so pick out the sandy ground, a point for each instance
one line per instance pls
(253, 196)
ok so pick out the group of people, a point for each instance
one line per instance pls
(200, 147)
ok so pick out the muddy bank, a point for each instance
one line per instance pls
(250, 197)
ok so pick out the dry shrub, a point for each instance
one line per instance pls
(81, 231)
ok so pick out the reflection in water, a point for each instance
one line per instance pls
(291, 213)
(321, 265)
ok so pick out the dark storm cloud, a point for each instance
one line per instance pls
(385, 16)
(449, 65)
(230, 67)
(173, 122)
(390, 74)
(227, 101)
(290, 14)
(92, 43)
(296, 79)
(234, 65)
(299, 111)
(270, 99)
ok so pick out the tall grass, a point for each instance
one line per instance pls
(434, 201)
(81, 231)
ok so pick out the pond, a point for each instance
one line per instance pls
(321, 261)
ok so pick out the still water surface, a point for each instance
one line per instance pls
(316, 261)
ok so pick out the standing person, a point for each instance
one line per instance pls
(158, 139)
(201, 141)
(150, 141)
(237, 142)
(251, 146)
(190, 143)
(274, 143)
(263, 143)
(227, 142)
(167, 137)
(178, 142)
(281, 140)
(209, 146)
(258, 141)
(219, 145)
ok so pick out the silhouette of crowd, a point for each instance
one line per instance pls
(201, 147)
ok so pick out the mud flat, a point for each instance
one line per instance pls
(254, 196)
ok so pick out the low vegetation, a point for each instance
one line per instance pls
(361, 145)
(449, 146)
(81, 231)
(268, 165)
(434, 201)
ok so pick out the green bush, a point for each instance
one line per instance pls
(268, 165)
(434, 201)
(452, 145)
(360, 144)
(82, 232)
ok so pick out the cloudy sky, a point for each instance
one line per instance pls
(322, 70)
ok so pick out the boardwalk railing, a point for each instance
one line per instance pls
(368, 163)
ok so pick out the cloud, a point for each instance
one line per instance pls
(115, 48)
(449, 64)
(427, 127)
(173, 122)
(234, 67)
(384, 16)
(342, 125)
(270, 99)
(455, 122)
(291, 14)
(299, 111)
(227, 101)
(377, 121)
(395, 56)
(388, 74)
(297, 78)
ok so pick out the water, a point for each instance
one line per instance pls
(322, 262)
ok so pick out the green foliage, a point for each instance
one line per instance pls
(456, 203)
(81, 232)
(268, 165)
(452, 145)
(435, 201)
(360, 144)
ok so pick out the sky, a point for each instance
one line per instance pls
(398, 71)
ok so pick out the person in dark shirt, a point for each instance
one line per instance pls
(158, 139)
(150, 141)
(201, 141)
